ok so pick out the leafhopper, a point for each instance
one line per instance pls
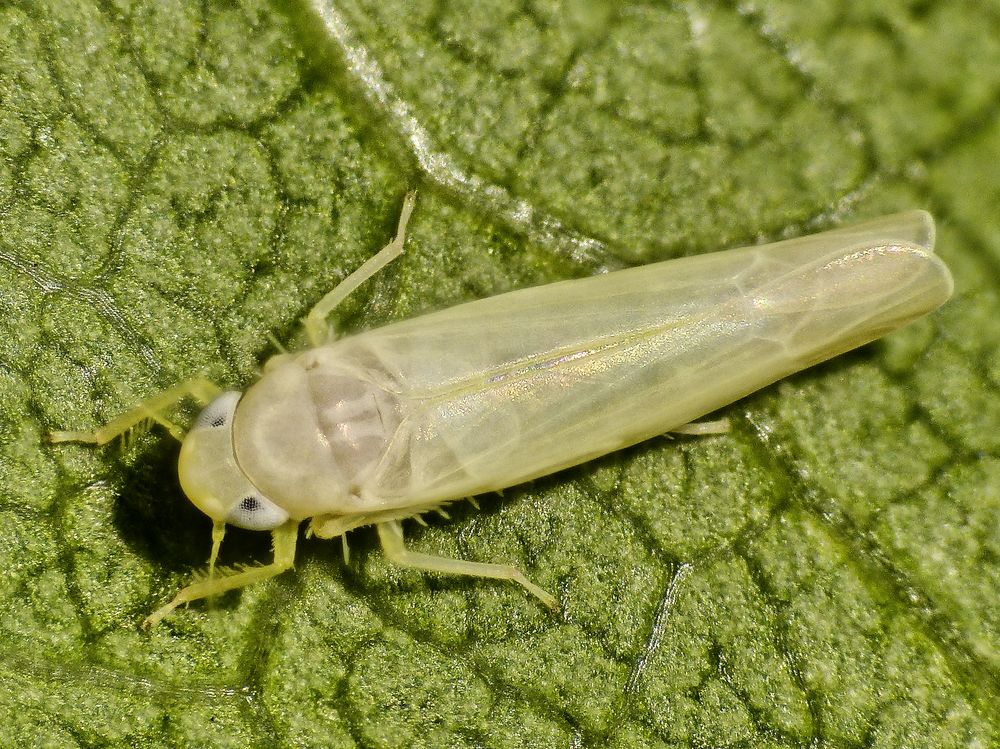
(398, 421)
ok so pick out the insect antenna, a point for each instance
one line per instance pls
(276, 343)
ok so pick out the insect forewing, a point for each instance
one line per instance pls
(512, 387)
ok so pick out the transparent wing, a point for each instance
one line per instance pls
(502, 390)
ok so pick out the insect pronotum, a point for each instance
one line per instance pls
(398, 421)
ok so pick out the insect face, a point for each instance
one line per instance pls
(211, 476)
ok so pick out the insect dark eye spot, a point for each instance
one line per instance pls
(218, 421)
(249, 504)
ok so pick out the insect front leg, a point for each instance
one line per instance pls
(316, 325)
(284, 538)
(151, 409)
(390, 534)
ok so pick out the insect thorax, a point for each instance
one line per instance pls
(312, 430)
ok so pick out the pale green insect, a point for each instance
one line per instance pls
(400, 420)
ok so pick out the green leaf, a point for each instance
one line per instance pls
(178, 181)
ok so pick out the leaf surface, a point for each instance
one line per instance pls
(178, 181)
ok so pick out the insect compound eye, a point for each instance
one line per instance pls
(255, 512)
(219, 412)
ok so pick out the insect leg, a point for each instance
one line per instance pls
(701, 428)
(315, 323)
(200, 388)
(390, 533)
(283, 540)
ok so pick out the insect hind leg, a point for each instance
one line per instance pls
(390, 534)
(317, 329)
(703, 428)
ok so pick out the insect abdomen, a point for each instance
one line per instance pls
(516, 386)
